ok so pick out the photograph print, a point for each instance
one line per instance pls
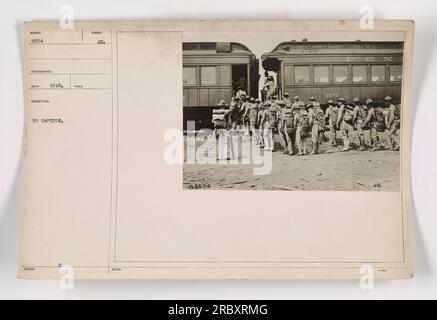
(292, 111)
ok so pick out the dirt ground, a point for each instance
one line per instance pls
(345, 171)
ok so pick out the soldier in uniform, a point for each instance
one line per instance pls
(281, 124)
(376, 119)
(253, 119)
(262, 109)
(220, 120)
(268, 123)
(220, 117)
(270, 90)
(241, 110)
(260, 121)
(318, 122)
(240, 92)
(332, 115)
(287, 100)
(345, 122)
(296, 104)
(245, 114)
(360, 115)
(302, 124)
(234, 114)
(289, 126)
(272, 113)
(392, 123)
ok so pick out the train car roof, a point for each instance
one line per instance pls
(271, 60)
(214, 48)
(301, 47)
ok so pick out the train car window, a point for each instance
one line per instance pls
(395, 72)
(208, 75)
(301, 74)
(189, 75)
(378, 73)
(359, 73)
(340, 73)
(321, 74)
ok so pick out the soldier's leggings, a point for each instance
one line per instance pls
(360, 130)
(333, 133)
(254, 133)
(291, 138)
(261, 136)
(315, 135)
(300, 140)
(346, 129)
(374, 130)
(268, 138)
(284, 140)
(393, 129)
(222, 141)
(252, 130)
(393, 133)
(360, 133)
(315, 132)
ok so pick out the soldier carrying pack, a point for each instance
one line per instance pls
(219, 116)
(273, 116)
(289, 120)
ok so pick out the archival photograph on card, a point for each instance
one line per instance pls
(215, 115)
(292, 110)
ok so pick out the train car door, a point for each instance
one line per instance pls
(240, 77)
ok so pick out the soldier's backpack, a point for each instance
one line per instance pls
(304, 122)
(233, 111)
(320, 117)
(364, 111)
(398, 115)
(334, 114)
(348, 115)
(253, 114)
(273, 116)
(242, 108)
(304, 119)
(219, 118)
(380, 119)
(398, 111)
(289, 120)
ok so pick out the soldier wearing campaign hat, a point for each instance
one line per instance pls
(376, 120)
(289, 125)
(287, 99)
(267, 125)
(296, 103)
(360, 115)
(331, 114)
(260, 121)
(244, 113)
(254, 110)
(220, 115)
(318, 124)
(392, 123)
(303, 128)
(281, 124)
(220, 119)
(345, 121)
(234, 109)
(312, 102)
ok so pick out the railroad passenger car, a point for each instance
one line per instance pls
(213, 71)
(329, 70)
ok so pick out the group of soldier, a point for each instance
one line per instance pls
(299, 124)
